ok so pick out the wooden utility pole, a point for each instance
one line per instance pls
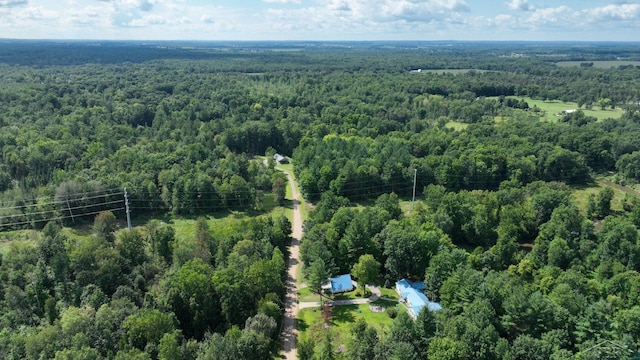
(415, 177)
(126, 205)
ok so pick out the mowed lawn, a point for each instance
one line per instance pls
(311, 324)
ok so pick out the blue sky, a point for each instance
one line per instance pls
(585, 20)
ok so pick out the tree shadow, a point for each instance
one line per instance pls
(289, 204)
(301, 325)
(343, 314)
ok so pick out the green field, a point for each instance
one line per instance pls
(553, 109)
(599, 64)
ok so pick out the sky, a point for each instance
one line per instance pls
(528, 20)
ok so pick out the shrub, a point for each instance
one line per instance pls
(392, 312)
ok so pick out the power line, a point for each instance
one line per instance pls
(59, 201)
(80, 193)
(397, 184)
(57, 218)
(55, 210)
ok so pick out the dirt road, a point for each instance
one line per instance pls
(289, 332)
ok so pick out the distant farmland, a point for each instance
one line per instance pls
(450, 71)
(599, 64)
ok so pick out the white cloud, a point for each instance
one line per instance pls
(565, 23)
(380, 11)
(339, 5)
(502, 19)
(148, 20)
(146, 5)
(281, 1)
(36, 13)
(143, 5)
(13, 3)
(522, 5)
(548, 16)
(85, 16)
(321, 19)
(366, 19)
(208, 19)
(420, 11)
(623, 12)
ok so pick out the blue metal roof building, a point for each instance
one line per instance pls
(342, 283)
(415, 299)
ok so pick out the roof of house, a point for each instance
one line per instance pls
(406, 284)
(414, 296)
(341, 283)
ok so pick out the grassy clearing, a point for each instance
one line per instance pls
(554, 107)
(220, 224)
(19, 237)
(580, 195)
(310, 322)
(406, 205)
(599, 64)
(456, 125)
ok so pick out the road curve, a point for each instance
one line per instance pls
(289, 332)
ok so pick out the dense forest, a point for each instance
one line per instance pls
(523, 269)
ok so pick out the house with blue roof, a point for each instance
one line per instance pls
(411, 294)
(342, 283)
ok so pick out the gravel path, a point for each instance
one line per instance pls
(289, 332)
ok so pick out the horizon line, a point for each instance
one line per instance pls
(321, 41)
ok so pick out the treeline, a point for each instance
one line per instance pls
(481, 157)
(144, 293)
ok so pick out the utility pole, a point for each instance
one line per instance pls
(69, 207)
(415, 177)
(126, 205)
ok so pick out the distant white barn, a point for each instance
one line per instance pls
(280, 159)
